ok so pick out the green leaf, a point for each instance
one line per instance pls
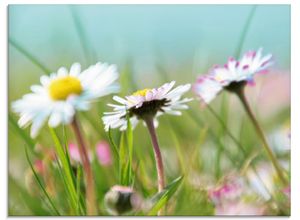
(126, 155)
(67, 171)
(160, 199)
(40, 184)
(129, 138)
(122, 158)
(114, 146)
(78, 181)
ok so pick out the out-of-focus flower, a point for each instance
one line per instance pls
(153, 102)
(229, 198)
(280, 139)
(240, 208)
(121, 200)
(268, 98)
(230, 189)
(287, 192)
(233, 73)
(103, 153)
(75, 154)
(264, 181)
(63, 93)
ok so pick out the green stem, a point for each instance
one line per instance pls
(90, 185)
(157, 153)
(240, 93)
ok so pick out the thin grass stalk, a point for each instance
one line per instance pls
(89, 179)
(40, 184)
(31, 57)
(245, 31)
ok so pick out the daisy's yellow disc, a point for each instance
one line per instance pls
(61, 88)
(142, 92)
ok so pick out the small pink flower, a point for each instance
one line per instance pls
(229, 190)
(74, 153)
(39, 166)
(103, 153)
(287, 191)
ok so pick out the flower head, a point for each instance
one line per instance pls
(145, 103)
(234, 73)
(122, 199)
(61, 94)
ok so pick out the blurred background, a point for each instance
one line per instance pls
(152, 44)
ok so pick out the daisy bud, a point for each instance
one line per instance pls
(122, 200)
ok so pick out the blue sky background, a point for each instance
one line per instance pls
(195, 36)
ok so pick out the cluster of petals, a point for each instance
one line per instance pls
(172, 104)
(35, 108)
(208, 86)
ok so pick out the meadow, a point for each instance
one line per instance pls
(214, 159)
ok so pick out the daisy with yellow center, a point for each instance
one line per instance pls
(58, 98)
(63, 93)
(147, 105)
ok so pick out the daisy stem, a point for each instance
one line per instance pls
(241, 94)
(90, 186)
(157, 153)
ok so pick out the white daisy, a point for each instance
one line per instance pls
(251, 63)
(61, 94)
(146, 102)
(233, 74)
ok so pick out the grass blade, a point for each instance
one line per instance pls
(114, 146)
(160, 199)
(40, 184)
(32, 58)
(245, 31)
(66, 168)
(78, 181)
(88, 51)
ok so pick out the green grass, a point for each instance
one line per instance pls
(199, 149)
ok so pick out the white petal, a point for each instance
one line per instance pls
(62, 72)
(45, 80)
(37, 89)
(149, 96)
(75, 69)
(178, 91)
(55, 119)
(120, 100)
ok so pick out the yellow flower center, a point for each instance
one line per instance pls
(142, 92)
(61, 88)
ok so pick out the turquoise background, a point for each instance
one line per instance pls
(193, 37)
